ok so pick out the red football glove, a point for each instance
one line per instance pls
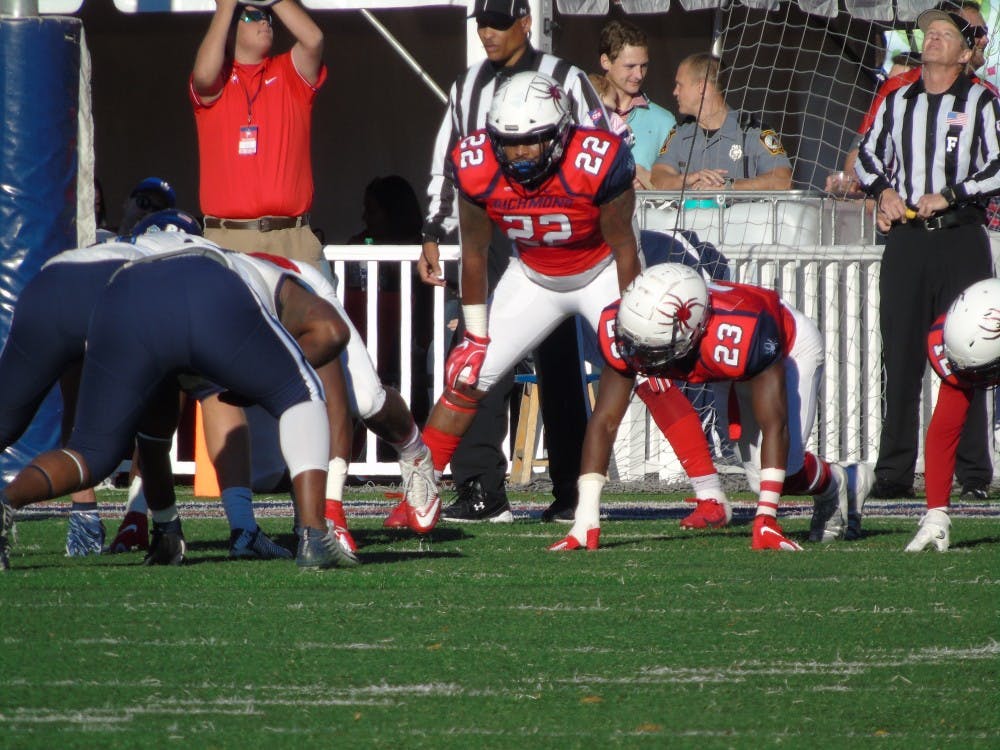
(465, 361)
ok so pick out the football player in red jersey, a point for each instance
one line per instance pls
(964, 350)
(564, 195)
(671, 324)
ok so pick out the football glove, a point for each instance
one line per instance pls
(466, 360)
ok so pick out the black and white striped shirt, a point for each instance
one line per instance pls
(468, 105)
(921, 143)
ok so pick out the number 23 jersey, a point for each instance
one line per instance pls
(556, 227)
(749, 330)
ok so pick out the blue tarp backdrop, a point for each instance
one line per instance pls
(40, 59)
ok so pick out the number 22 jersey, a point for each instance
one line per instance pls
(555, 227)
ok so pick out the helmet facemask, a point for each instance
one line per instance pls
(531, 173)
(529, 108)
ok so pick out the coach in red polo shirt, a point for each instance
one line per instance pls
(253, 112)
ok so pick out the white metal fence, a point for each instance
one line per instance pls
(783, 241)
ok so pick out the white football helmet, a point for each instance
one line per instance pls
(529, 107)
(662, 316)
(972, 333)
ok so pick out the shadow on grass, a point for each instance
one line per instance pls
(386, 558)
(972, 543)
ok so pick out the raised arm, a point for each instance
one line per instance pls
(307, 54)
(207, 78)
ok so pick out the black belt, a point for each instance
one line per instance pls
(263, 224)
(957, 217)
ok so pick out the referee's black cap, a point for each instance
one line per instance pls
(966, 29)
(499, 14)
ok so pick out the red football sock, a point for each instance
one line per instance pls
(442, 445)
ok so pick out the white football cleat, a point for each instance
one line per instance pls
(420, 492)
(934, 529)
(829, 517)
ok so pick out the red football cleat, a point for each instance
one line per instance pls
(133, 533)
(423, 519)
(398, 518)
(767, 534)
(570, 542)
(707, 514)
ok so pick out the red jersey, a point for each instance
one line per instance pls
(556, 227)
(254, 142)
(935, 354)
(749, 329)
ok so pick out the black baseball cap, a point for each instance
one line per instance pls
(499, 14)
(966, 29)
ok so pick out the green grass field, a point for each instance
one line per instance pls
(479, 638)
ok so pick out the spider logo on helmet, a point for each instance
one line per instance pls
(662, 317)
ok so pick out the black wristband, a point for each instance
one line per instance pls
(948, 193)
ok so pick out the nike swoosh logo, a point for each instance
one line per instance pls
(269, 81)
(428, 510)
(127, 529)
(768, 530)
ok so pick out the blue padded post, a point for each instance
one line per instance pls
(40, 59)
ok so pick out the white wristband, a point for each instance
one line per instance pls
(475, 319)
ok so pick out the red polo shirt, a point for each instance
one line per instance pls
(269, 103)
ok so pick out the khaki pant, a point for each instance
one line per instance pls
(298, 243)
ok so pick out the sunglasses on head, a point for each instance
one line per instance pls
(978, 32)
(252, 15)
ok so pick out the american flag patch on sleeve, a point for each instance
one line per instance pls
(595, 115)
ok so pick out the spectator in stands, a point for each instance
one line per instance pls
(148, 196)
(931, 196)
(715, 147)
(478, 465)
(625, 60)
(253, 114)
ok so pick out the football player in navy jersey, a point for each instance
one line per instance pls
(203, 318)
(670, 324)
(563, 194)
(964, 350)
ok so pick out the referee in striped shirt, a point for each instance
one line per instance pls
(504, 27)
(932, 159)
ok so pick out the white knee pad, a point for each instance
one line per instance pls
(304, 432)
